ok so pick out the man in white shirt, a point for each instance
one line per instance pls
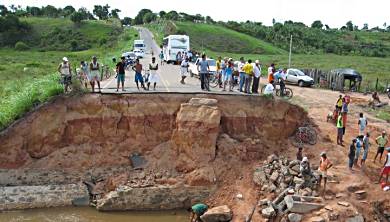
(242, 73)
(269, 89)
(256, 77)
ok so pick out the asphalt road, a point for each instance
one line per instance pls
(169, 75)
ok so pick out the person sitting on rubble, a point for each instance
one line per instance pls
(197, 210)
(305, 170)
(375, 98)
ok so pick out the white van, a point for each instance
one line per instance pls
(139, 45)
(173, 44)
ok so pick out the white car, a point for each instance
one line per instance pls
(193, 69)
(139, 53)
(296, 76)
(129, 54)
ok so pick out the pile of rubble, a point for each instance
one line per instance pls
(296, 194)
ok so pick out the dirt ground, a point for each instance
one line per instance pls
(318, 103)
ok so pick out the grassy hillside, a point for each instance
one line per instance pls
(29, 77)
(214, 38)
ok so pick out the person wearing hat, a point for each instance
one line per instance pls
(325, 165)
(66, 73)
(94, 73)
(381, 141)
(256, 76)
(386, 167)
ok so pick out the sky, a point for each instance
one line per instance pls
(334, 13)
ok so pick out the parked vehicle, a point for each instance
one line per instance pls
(296, 76)
(173, 44)
(139, 45)
(139, 53)
(193, 68)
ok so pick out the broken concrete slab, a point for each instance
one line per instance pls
(217, 214)
(357, 218)
(268, 212)
(317, 219)
(299, 204)
(293, 217)
(343, 203)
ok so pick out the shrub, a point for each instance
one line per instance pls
(103, 41)
(21, 46)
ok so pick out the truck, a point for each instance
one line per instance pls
(139, 45)
(173, 44)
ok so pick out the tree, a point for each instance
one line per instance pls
(149, 17)
(34, 11)
(126, 21)
(68, 10)
(101, 11)
(365, 26)
(327, 27)
(3, 10)
(139, 19)
(84, 13)
(76, 17)
(106, 11)
(317, 24)
(172, 15)
(162, 14)
(50, 11)
(209, 20)
(114, 13)
(349, 26)
(199, 18)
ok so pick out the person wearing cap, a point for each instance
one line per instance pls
(381, 141)
(386, 167)
(351, 154)
(248, 69)
(153, 78)
(94, 73)
(325, 165)
(256, 76)
(66, 73)
(120, 70)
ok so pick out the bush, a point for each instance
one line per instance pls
(21, 46)
(103, 41)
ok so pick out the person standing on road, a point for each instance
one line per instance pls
(120, 70)
(339, 126)
(381, 141)
(241, 73)
(153, 78)
(161, 55)
(248, 69)
(325, 165)
(359, 145)
(271, 71)
(256, 76)
(84, 73)
(184, 70)
(204, 70)
(366, 147)
(362, 124)
(137, 68)
(66, 73)
(178, 58)
(227, 77)
(94, 68)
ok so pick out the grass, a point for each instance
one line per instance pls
(30, 77)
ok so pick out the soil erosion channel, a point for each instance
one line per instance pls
(141, 152)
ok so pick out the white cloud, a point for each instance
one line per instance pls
(335, 13)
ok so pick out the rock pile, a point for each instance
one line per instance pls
(295, 193)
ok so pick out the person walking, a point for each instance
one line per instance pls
(325, 165)
(153, 78)
(227, 78)
(256, 76)
(366, 147)
(242, 74)
(386, 168)
(161, 56)
(66, 73)
(359, 145)
(204, 70)
(351, 154)
(248, 69)
(137, 68)
(362, 124)
(381, 141)
(184, 70)
(339, 126)
(94, 72)
(120, 70)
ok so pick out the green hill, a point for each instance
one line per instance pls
(207, 37)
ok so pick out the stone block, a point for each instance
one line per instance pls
(268, 212)
(293, 217)
(358, 218)
(299, 204)
(217, 214)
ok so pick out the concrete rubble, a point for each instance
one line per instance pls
(295, 192)
(217, 214)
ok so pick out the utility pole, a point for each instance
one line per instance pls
(289, 56)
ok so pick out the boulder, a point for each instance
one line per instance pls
(293, 217)
(274, 176)
(268, 212)
(217, 214)
(317, 219)
(272, 158)
(357, 218)
(259, 177)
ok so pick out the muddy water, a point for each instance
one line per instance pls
(71, 214)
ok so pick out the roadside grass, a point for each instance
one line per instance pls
(29, 78)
